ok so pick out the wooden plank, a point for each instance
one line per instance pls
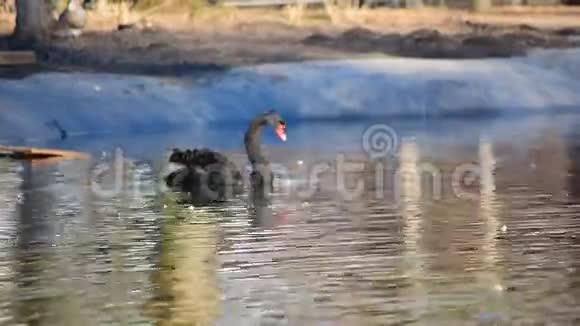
(13, 58)
(32, 153)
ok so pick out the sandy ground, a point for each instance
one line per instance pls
(170, 43)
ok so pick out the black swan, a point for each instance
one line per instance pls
(210, 176)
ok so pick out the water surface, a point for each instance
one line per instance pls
(499, 247)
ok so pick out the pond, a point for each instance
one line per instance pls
(454, 221)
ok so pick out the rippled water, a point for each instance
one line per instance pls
(499, 247)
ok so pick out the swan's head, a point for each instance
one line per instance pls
(274, 119)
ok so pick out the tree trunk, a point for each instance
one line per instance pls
(32, 21)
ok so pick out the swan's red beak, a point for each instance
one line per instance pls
(280, 132)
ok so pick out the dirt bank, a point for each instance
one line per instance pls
(179, 44)
(482, 41)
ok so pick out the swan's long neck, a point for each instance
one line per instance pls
(253, 142)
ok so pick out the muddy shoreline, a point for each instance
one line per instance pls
(485, 41)
(169, 53)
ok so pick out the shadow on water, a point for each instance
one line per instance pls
(501, 250)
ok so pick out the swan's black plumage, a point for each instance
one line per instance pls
(207, 167)
(197, 157)
(206, 175)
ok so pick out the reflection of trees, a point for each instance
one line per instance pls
(76, 255)
(573, 152)
(9, 194)
(549, 164)
(82, 256)
(443, 237)
(489, 210)
(410, 190)
(33, 251)
(187, 292)
(50, 217)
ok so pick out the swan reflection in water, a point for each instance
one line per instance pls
(261, 212)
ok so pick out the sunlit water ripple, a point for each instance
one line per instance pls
(509, 255)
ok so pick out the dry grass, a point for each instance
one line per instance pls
(397, 20)
(170, 15)
(536, 10)
(333, 17)
(539, 16)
